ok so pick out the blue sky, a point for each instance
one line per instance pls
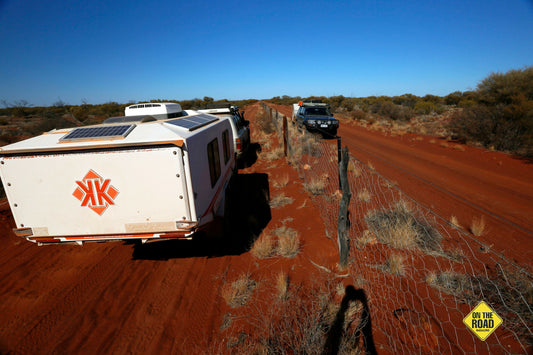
(104, 50)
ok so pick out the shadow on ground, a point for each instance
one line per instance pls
(249, 215)
(250, 156)
(364, 328)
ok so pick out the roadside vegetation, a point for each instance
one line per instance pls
(497, 115)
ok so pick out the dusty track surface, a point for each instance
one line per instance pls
(156, 298)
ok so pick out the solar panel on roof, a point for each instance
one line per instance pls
(107, 132)
(193, 122)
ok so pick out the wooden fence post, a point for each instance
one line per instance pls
(285, 139)
(344, 221)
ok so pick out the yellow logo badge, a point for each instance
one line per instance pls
(482, 321)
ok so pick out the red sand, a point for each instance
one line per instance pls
(166, 298)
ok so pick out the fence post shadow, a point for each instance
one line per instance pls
(364, 327)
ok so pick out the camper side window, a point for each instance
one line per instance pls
(214, 161)
(225, 143)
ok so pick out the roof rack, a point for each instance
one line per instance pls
(313, 103)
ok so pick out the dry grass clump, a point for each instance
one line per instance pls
(401, 229)
(478, 226)
(274, 154)
(239, 291)
(395, 264)
(282, 181)
(283, 241)
(305, 144)
(315, 185)
(355, 170)
(288, 241)
(366, 238)
(364, 195)
(263, 138)
(282, 285)
(450, 282)
(454, 221)
(227, 319)
(264, 247)
(280, 200)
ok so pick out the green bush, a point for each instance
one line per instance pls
(502, 116)
(425, 107)
(395, 112)
(358, 114)
(453, 99)
(408, 100)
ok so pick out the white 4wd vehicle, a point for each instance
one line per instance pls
(240, 127)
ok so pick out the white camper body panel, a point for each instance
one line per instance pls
(96, 193)
(153, 182)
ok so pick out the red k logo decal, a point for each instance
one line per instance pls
(95, 192)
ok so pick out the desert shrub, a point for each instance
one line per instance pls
(425, 107)
(453, 98)
(506, 88)
(504, 127)
(464, 103)
(408, 100)
(358, 114)
(389, 109)
(499, 114)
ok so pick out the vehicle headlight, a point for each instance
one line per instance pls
(311, 121)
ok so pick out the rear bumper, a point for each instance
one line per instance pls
(80, 239)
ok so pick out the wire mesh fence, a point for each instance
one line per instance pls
(421, 273)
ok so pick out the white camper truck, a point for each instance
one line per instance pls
(135, 180)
